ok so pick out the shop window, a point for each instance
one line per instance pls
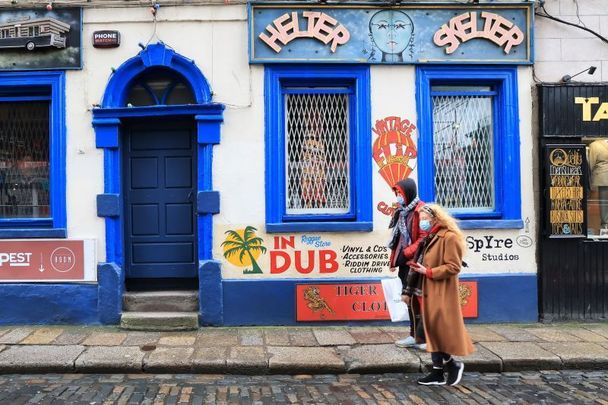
(597, 199)
(469, 144)
(159, 87)
(317, 149)
(32, 162)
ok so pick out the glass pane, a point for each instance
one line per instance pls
(24, 160)
(463, 144)
(159, 86)
(460, 88)
(317, 153)
(597, 199)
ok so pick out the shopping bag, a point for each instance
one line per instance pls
(392, 288)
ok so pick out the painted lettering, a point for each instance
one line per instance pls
(587, 103)
(320, 26)
(465, 27)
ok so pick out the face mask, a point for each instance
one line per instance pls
(425, 225)
(400, 200)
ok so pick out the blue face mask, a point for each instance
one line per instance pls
(425, 225)
(400, 200)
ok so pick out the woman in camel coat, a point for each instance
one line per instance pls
(441, 315)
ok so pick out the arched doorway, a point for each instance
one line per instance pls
(157, 126)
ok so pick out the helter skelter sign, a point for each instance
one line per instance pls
(407, 34)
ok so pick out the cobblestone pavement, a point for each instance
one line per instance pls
(550, 387)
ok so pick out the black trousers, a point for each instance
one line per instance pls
(438, 358)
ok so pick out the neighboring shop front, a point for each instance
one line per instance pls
(261, 177)
(574, 201)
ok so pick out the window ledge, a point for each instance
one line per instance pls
(320, 227)
(33, 233)
(491, 224)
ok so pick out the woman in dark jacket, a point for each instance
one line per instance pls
(404, 244)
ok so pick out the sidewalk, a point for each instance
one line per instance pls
(291, 350)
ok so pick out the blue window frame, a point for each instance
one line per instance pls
(486, 193)
(297, 99)
(36, 88)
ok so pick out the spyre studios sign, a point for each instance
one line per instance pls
(361, 301)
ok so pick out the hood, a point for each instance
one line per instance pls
(408, 188)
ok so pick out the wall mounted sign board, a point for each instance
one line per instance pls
(40, 39)
(106, 39)
(406, 34)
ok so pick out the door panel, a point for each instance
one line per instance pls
(159, 190)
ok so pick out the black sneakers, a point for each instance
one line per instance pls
(434, 378)
(454, 369)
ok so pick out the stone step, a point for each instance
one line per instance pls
(161, 321)
(161, 301)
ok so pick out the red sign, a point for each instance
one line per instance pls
(340, 302)
(467, 293)
(42, 260)
(363, 301)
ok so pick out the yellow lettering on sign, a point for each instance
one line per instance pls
(586, 102)
(601, 113)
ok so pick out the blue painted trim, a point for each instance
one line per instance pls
(212, 110)
(211, 295)
(320, 227)
(106, 132)
(49, 83)
(357, 79)
(48, 304)
(33, 233)
(502, 298)
(208, 128)
(491, 224)
(111, 282)
(506, 139)
(208, 202)
(108, 205)
(154, 55)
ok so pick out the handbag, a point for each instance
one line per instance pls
(397, 309)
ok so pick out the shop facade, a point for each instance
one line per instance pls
(261, 177)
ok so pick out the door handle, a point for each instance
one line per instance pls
(190, 195)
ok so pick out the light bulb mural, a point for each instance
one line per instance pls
(394, 151)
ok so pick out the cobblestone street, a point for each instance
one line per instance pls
(551, 387)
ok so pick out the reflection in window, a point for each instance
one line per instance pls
(159, 87)
(597, 200)
(463, 145)
(24, 160)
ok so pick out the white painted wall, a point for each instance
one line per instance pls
(215, 37)
(562, 49)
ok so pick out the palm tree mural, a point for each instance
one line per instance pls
(245, 243)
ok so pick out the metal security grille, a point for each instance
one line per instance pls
(24, 160)
(463, 151)
(317, 153)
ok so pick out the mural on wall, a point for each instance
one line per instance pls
(392, 34)
(40, 39)
(394, 152)
(408, 34)
(242, 247)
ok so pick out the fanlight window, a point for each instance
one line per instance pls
(159, 87)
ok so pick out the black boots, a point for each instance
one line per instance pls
(434, 378)
(454, 369)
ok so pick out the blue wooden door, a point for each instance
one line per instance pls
(160, 193)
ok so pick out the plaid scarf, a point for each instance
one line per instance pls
(400, 225)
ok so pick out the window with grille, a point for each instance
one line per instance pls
(317, 148)
(463, 144)
(469, 143)
(24, 160)
(32, 155)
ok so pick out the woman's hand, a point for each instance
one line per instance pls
(419, 268)
(406, 299)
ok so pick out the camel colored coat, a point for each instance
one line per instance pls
(441, 314)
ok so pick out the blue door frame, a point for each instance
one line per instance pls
(108, 123)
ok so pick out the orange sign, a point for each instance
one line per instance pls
(42, 260)
(364, 301)
(467, 293)
(340, 302)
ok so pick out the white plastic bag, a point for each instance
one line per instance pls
(392, 288)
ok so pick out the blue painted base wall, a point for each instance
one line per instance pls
(502, 298)
(32, 304)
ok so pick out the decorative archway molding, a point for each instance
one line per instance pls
(107, 123)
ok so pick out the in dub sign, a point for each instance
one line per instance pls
(566, 195)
